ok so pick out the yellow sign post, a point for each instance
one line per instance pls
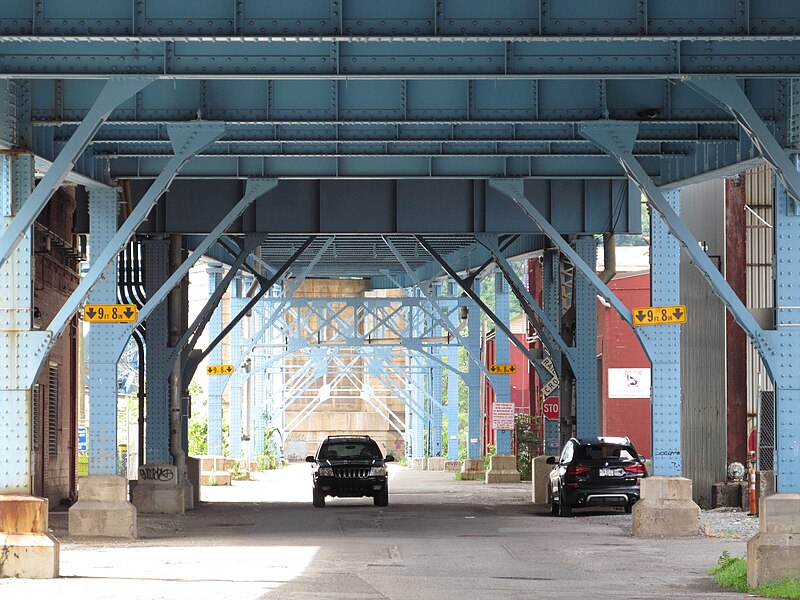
(495, 369)
(219, 369)
(110, 313)
(659, 315)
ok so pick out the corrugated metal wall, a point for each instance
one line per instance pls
(760, 290)
(703, 408)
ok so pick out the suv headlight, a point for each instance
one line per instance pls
(325, 472)
(377, 472)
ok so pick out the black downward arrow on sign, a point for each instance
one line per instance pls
(127, 312)
(640, 315)
(678, 313)
(91, 312)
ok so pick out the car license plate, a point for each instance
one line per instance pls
(612, 472)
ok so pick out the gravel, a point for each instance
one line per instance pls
(732, 523)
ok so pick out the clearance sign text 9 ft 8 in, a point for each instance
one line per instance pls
(110, 313)
(659, 315)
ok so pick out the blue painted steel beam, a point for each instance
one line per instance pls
(551, 299)
(112, 95)
(502, 383)
(587, 403)
(451, 57)
(216, 383)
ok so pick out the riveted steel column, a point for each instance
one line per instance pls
(664, 347)
(258, 418)
(787, 322)
(502, 383)
(435, 435)
(587, 410)
(235, 381)
(551, 298)
(156, 256)
(102, 345)
(216, 383)
(417, 381)
(17, 341)
(453, 382)
(473, 381)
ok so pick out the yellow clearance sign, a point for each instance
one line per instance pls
(495, 369)
(659, 315)
(219, 369)
(110, 313)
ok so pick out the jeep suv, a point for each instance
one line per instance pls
(349, 466)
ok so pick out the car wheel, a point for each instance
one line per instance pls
(553, 503)
(382, 499)
(564, 509)
(319, 499)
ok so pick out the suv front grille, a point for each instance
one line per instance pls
(351, 472)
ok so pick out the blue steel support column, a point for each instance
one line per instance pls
(156, 256)
(551, 298)
(17, 340)
(435, 434)
(417, 381)
(664, 344)
(102, 345)
(453, 382)
(216, 383)
(587, 409)
(473, 381)
(502, 383)
(235, 381)
(258, 420)
(787, 322)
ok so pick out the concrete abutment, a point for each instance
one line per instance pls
(28, 551)
(774, 552)
(666, 508)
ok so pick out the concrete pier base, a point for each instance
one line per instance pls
(452, 466)
(774, 552)
(666, 508)
(28, 551)
(502, 469)
(472, 469)
(419, 464)
(540, 477)
(193, 474)
(159, 491)
(436, 463)
(102, 509)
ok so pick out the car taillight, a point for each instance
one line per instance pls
(637, 469)
(577, 470)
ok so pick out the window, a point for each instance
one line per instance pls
(52, 411)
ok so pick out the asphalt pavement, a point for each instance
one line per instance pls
(439, 538)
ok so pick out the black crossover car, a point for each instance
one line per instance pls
(602, 471)
(351, 467)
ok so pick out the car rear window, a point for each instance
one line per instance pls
(349, 450)
(604, 451)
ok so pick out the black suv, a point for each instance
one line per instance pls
(603, 471)
(350, 466)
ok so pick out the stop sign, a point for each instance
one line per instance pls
(550, 408)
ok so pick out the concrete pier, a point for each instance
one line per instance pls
(103, 509)
(774, 552)
(28, 551)
(666, 508)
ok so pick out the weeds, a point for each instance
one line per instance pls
(731, 572)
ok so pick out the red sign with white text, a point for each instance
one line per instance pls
(550, 408)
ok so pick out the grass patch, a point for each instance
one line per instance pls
(458, 475)
(731, 572)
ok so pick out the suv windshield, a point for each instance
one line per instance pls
(348, 449)
(603, 451)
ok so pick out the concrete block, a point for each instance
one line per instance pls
(666, 508)
(29, 552)
(215, 478)
(193, 473)
(502, 469)
(774, 552)
(728, 493)
(452, 466)
(540, 477)
(159, 491)
(419, 464)
(472, 469)
(102, 509)
(436, 463)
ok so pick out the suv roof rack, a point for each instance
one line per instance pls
(349, 437)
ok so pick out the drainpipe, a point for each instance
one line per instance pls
(175, 392)
(609, 258)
